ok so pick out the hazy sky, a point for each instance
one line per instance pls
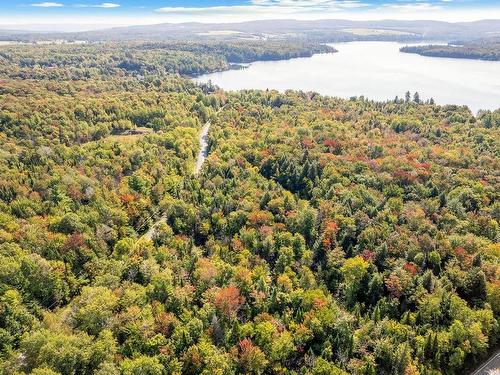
(81, 14)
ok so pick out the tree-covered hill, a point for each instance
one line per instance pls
(79, 62)
(325, 31)
(323, 235)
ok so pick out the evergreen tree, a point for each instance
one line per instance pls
(407, 97)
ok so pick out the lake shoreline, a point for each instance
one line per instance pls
(387, 73)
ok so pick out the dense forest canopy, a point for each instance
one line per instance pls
(485, 49)
(78, 62)
(323, 235)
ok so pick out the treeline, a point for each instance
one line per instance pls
(91, 61)
(238, 52)
(323, 236)
(488, 49)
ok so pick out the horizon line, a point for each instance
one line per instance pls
(94, 27)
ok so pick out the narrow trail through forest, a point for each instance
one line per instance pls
(200, 160)
(202, 155)
(489, 366)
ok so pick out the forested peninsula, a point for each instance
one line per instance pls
(478, 50)
(100, 60)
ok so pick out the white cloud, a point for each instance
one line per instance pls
(271, 6)
(106, 5)
(328, 9)
(236, 9)
(413, 7)
(47, 4)
(102, 5)
(325, 4)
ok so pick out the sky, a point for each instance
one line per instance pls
(75, 15)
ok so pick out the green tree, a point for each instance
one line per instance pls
(142, 365)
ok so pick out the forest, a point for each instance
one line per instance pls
(99, 60)
(322, 236)
(485, 49)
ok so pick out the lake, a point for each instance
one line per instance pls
(376, 70)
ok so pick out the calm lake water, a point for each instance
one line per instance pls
(376, 70)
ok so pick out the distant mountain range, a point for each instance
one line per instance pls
(318, 30)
